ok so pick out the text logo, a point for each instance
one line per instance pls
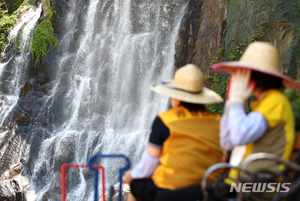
(260, 187)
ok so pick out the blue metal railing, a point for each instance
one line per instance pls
(96, 171)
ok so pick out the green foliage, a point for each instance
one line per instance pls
(235, 13)
(257, 35)
(298, 5)
(18, 41)
(19, 38)
(3, 9)
(232, 1)
(230, 40)
(213, 78)
(214, 108)
(273, 10)
(213, 59)
(264, 22)
(288, 10)
(238, 49)
(221, 50)
(294, 97)
(281, 3)
(215, 81)
(216, 87)
(16, 5)
(231, 57)
(44, 39)
(7, 20)
(236, 52)
(297, 37)
(6, 23)
(25, 5)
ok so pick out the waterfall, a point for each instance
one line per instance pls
(110, 53)
(13, 70)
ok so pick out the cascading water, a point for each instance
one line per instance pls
(14, 75)
(110, 53)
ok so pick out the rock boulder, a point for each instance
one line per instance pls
(13, 186)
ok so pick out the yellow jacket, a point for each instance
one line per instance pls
(191, 148)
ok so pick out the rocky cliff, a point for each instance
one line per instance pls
(216, 31)
(202, 33)
(232, 25)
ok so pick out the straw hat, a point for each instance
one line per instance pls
(261, 57)
(187, 86)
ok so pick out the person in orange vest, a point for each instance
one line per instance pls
(183, 143)
(269, 127)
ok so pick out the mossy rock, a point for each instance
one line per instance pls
(44, 39)
(10, 17)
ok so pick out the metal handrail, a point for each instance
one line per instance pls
(64, 176)
(268, 156)
(96, 172)
(208, 172)
(213, 168)
(243, 166)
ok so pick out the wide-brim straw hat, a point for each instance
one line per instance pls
(188, 86)
(261, 57)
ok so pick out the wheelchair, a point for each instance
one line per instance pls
(289, 176)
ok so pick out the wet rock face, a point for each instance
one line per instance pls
(13, 186)
(32, 97)
(15, 142)
(15, 149)
(205, 26)
(188, 30)
(13, 171)
(275, 22)
(30, 115)
(202, 31)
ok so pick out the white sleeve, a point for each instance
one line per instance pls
(245, 128)
(225, 142)
(146, 166)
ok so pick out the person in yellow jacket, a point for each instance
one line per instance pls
(269, 127)
(183, 143)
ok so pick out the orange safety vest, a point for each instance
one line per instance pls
(192, 147)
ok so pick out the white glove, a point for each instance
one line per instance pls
(240, 90)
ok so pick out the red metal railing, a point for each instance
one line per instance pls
(64, 183)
